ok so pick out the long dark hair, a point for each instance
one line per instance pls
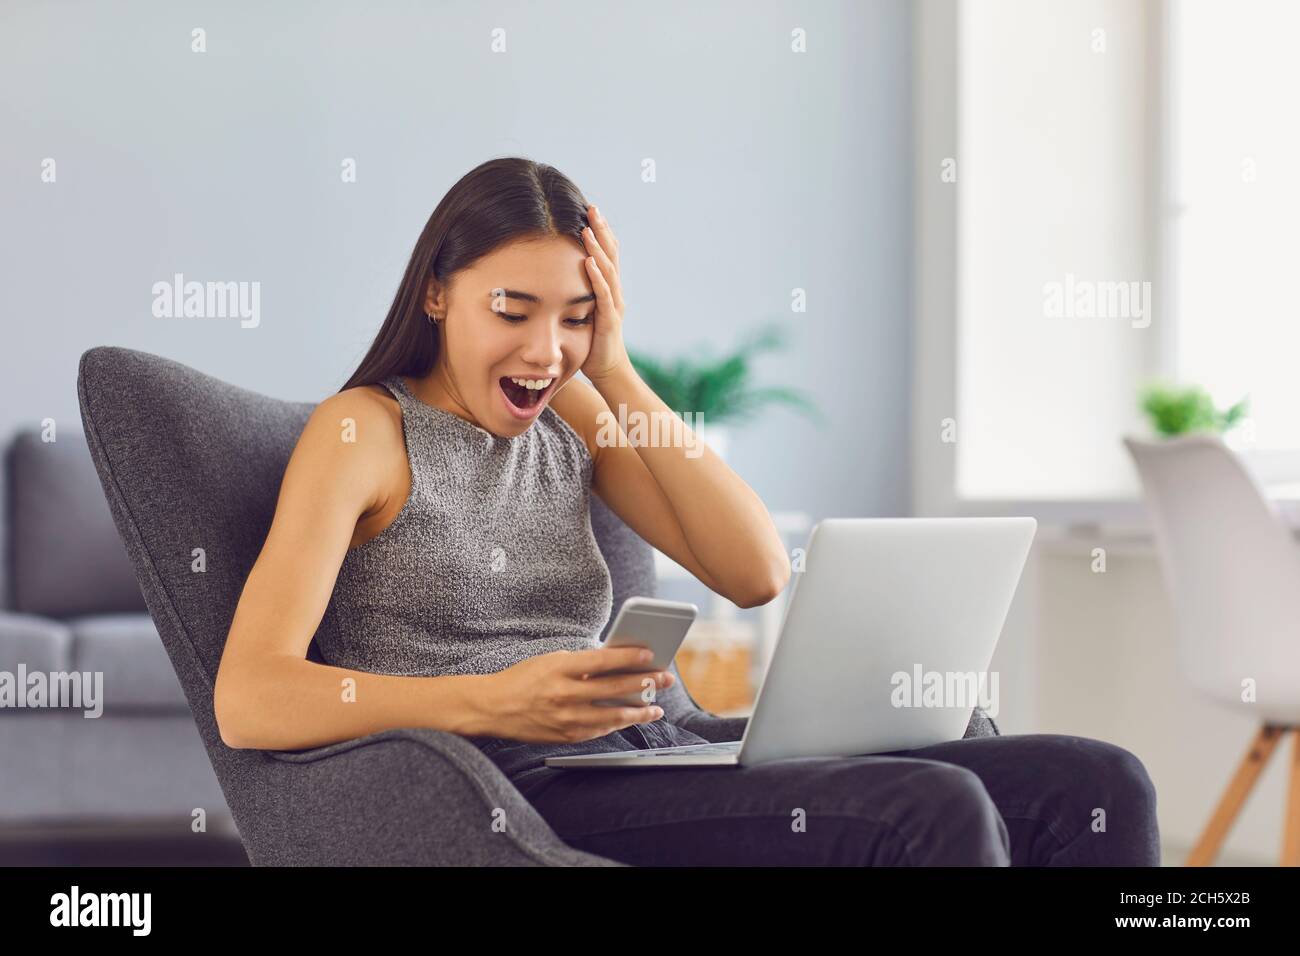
(494, 203)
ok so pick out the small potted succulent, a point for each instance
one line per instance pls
(1175, 411)
(1179, 411)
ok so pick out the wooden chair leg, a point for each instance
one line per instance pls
(1261, 748)
(1291, 834)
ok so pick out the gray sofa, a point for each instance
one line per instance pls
(69, 601)
(188, 461)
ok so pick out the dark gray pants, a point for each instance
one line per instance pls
(1018, 800)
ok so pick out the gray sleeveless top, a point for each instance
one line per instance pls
(491, 560)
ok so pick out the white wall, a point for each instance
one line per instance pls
(776, 170)
(1106, 667)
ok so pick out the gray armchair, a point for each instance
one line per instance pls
(188, 461)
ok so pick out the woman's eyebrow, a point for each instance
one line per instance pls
(529, 297)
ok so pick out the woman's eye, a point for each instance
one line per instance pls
(514, 319)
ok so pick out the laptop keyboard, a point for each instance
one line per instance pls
(729, 746)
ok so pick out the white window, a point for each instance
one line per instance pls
(1123, 211)
(1051, 194)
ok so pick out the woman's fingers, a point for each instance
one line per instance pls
(599, 285)
(607, 265)
(603, 247)
(604, 233)
(596, 660)
(639, 715)
(626, 717)
(620, 685)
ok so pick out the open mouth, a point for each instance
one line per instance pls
(523, 398)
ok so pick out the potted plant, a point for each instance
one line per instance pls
(720, 390)
(1180, 411)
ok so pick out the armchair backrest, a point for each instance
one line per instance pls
(191, 467)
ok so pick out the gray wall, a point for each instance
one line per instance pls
(775, 170)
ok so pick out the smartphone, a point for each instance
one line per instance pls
(648, 622)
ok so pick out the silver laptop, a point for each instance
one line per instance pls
(885, 643)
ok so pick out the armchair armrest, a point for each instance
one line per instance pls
(716, 729)
(713, 728)
(981, 725)
(409, 796)
(680, 708)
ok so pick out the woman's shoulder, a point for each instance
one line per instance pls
(355, 438)
(361, 404)
(360, 426)
(345, 458)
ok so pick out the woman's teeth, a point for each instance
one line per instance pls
(532, 383)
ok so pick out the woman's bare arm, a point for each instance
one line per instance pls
(704, 514)
(695, 509)
(267, 694)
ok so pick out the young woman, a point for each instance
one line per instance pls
(433, 532)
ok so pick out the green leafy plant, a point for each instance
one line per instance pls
(1178, 411)
(720, 389)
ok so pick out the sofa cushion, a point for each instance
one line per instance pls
(38, 643)
(126, 648)
(65, 554)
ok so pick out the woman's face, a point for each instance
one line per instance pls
(525, 311)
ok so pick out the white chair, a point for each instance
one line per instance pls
(1233, 573)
